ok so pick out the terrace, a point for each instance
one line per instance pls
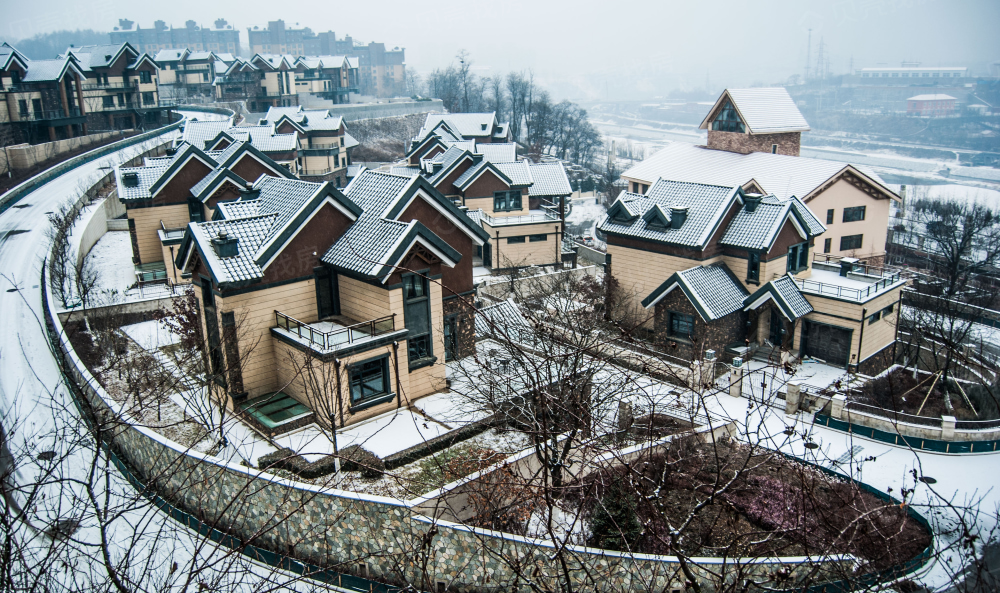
(848, 279)
(336, 333)
(533, 216)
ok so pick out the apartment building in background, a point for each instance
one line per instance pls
(221, 37)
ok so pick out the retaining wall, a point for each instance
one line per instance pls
(25, 156)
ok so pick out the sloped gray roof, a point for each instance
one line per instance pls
(781, 175)
(758, 229)
(785, 294)
(502, 318)
(200, 132)
(706, 205)
(713, 290)
(765, 110)
(517, 172)
(169, 55)
(501, 152)
(45, 70)
(469, 125)
(365, 244)
(251, 233)
(405, 171)
(350, 141)
(549, 180)
(264, 138)
(147, 177)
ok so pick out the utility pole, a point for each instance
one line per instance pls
(809, 44)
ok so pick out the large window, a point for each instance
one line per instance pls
(519, 239)
(145, 77)
(728, 120)
(536, 238)
(854, 214)
(417, 305)
(147, 98)
(798, 257)
(829, 216)
(850, 242)
(369, 379)
(753, 266)
(681, 325)
(506, 200)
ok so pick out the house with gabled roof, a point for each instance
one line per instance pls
(122, 90)
(325, 144)
(41, 100)
(753, 141)
(333, 78)
(372, 285)
(277, 79)
(166, 193)
(439, 130)
(524, 216)
(717, 271)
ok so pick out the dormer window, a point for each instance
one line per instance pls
(728, 120)
(656, 219)
(798, 257)
(620, 214)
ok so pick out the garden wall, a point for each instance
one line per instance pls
(345, 530)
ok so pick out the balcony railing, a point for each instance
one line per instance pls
(495, 221)
(47, 114)
(341, 336)
(96, 86)
(847, 292)
(314, 172)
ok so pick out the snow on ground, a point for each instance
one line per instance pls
(151, 335)
(112, 257)
(450, 408)
(479, 273)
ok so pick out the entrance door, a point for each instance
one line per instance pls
(327, 293)
(828, 343)
(777, 328)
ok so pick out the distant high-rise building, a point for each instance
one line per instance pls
(221, 37)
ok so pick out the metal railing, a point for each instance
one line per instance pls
(47, 114)
(893, 415)
(96, 86)
(833, 262)
(331, 340)
(315, 171)
(977, 424)
(846, 292)
(522, 219)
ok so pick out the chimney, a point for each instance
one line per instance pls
(226, 246)
(130, 179)
(847, 265)
(677, 217)
(249, 193)
(751, 201)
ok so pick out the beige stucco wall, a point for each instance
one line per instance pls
(506, 255)
(363, 302)
(147, 223)
(487, 205)
(852, 315)
(874, 227)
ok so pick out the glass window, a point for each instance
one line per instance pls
(829, 216)
(515, 239)
(536, 238)
(753, 265)
(450, 337)
(506, 200)
(850, 242)
(681, 325)
(798, 257)
(147, 98)
(109, 101)
(417, 311)
(854, 214)
(369, 379)
(827, 245)
(728, 120)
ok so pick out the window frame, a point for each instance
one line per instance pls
(538, 238)
(516, 239)
(357, 370)
(417, 336)
(683, 318)
(860, 240)
(827, 245)
(797, 253)
(851, 213)
(830, 213)
(503, 200)
(753, 267)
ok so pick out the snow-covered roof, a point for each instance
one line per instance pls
(468, 125)
(781, 175)
(549, 179)
(938, 97)
(759, 229)
(763, 110)
(713, 290)
(198, 133)
(499, 152)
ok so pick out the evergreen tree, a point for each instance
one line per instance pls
(614, 524)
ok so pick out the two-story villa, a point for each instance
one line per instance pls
(441, 130)
(122, 87)
(41, 100)
(714, 267)
(328, 77)
(166, 193)
(754, 137)
(325, 145)
(370, 285)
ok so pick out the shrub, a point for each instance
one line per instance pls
(614, 524)
(357, 458)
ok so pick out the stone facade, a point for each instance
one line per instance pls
(715, 335)
(788, 143)
(878, 362)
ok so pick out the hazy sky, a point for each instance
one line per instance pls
(592, 49)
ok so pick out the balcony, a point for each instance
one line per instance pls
(314, 172)
(49, 114)
(334, 334)
(844, 281)
(96, 86)
(534, 216)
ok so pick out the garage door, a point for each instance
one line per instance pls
(826, 342)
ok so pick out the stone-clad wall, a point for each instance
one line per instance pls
(707, 336)
(788, 143)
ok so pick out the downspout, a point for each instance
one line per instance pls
(861, 337)
(340, 394)
(899, 315)
(395, 364)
